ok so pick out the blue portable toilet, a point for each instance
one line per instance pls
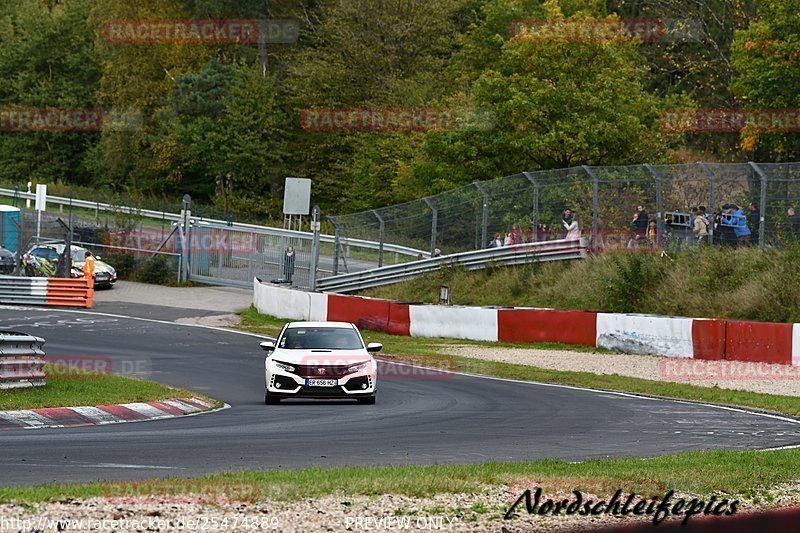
(10, 227)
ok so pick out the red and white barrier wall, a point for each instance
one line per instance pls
(698, 338)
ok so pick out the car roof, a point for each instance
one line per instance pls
(320, 325)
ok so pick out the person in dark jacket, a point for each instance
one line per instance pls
(288, 264)
(753, 221)
(639, 226)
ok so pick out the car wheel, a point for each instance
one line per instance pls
(270, 399)
(370, 400)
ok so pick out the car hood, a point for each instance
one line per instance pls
(321, 358)
(99, 266)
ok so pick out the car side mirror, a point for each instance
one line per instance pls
(267, 346)
(374, 347)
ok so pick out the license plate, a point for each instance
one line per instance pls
(320, 382)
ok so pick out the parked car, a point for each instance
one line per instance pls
(42, 259)
(320, 360)
(8, 261)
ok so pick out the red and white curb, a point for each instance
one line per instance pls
(61, 417)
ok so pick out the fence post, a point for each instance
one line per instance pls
(595, 201)
(535, 214)
(484, 214)
(712, 178)
(434, 222)
(335, 244)
(381, 235)
(763, 206)
(659, 208)
(250, 256)
(315, 227)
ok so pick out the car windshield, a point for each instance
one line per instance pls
(320, 339)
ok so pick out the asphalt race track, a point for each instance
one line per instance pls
(448, 419)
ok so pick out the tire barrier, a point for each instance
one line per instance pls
(21, 360)
(690, 338)
(67, 292)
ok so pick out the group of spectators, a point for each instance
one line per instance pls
(570, 229)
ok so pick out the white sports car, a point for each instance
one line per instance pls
(320, 360)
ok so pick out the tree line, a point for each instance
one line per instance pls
(222, 121)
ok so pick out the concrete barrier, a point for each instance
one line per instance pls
(547, 325)
(645, 334)
(473, 323)
(699, 338)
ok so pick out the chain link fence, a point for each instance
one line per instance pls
(604, 201)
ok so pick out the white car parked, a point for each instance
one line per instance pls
(320, 360)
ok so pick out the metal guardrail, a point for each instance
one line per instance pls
(176, 217)
(68, 292)
(21, 360)
(557, 250)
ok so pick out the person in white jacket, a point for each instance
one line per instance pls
(572, 227)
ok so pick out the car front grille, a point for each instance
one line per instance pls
(322, 371)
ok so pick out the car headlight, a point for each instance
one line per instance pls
(112, 271)
(356, 368)
(283, 366)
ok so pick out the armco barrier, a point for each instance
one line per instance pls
(77, 292)
(21, 360)
(762, 342)
(69, 292)
(546, 325)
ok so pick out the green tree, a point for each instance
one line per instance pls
(555, 105)
(47, 61)
(767, 58)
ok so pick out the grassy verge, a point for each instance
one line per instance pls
(746, 473)
(72, 388)
(435, 354)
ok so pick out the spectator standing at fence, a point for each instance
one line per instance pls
(652, 234)
(740, 228)
(516, 234)
(753, 221)
(288, 264)
(700, 227)
(793, 223)
(723, 224)
(497, 242)
(566, 219)
(573, 228)
(639, 225)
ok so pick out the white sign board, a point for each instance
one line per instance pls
(41, 197)
(297, 196)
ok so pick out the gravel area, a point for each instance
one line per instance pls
(446, 512)
(755, 377)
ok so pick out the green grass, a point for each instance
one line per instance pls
(732, 472)
(73, 389)
(757, 284)
(433, 352)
